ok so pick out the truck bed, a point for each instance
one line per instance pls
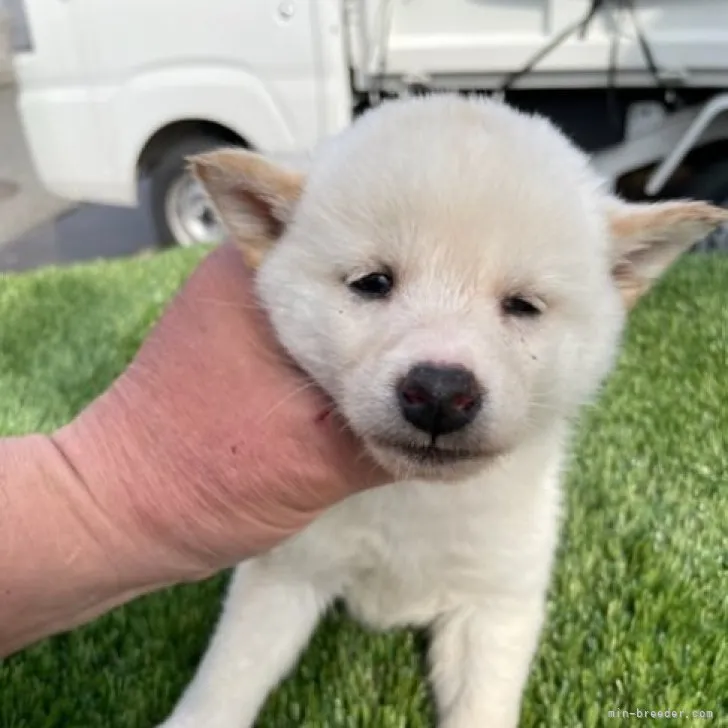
(476, 43)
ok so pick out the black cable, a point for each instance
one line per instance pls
(580, 25)
(595, 7)
(612, 99)
(669, 95)
(644, 45)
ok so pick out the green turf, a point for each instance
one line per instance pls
(639, 613)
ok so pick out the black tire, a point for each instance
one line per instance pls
(163, 177)
(711, 185)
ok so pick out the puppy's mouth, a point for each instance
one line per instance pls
(429, 455)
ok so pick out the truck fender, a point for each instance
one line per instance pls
(229, 97)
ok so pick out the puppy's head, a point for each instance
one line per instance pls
(451, 271)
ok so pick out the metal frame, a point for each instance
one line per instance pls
(709, 113)
(666, 145)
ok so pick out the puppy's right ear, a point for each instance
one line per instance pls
(254, 197)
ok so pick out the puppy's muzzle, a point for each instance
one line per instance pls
(439, 399)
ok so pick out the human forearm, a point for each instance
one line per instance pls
(63, 560)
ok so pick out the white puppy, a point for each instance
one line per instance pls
(454, 274)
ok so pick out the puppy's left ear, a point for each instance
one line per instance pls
(254, 197)
(648, 237)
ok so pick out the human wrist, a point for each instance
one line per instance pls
(64, 561)
(118, 455)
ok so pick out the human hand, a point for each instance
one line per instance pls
(212, 446)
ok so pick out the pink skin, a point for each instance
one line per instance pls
(200, 455)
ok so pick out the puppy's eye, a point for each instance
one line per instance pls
(519, 306)
(373, 285)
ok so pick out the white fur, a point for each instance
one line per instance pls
(468, 201)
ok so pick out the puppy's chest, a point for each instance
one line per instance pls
(404, 554)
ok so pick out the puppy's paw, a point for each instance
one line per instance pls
(182, 723)
(469, 719)
(196, 721)
(477, 723)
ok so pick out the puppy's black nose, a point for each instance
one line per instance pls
(439, 399)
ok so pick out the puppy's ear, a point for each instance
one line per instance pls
(254, 197)
(649, 237)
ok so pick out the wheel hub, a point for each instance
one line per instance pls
(190, 214)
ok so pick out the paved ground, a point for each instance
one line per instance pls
(85, 233)
(38, 229)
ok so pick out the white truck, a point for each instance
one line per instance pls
(114, 95)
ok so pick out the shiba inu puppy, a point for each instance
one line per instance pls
(456, 276)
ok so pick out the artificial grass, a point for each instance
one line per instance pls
(638, 617)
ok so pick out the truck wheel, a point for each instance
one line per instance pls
(711, 184)
(181, 212)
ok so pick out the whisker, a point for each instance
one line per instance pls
(307, 385)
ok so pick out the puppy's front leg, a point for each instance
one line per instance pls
(480, 659)
(266, 621)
